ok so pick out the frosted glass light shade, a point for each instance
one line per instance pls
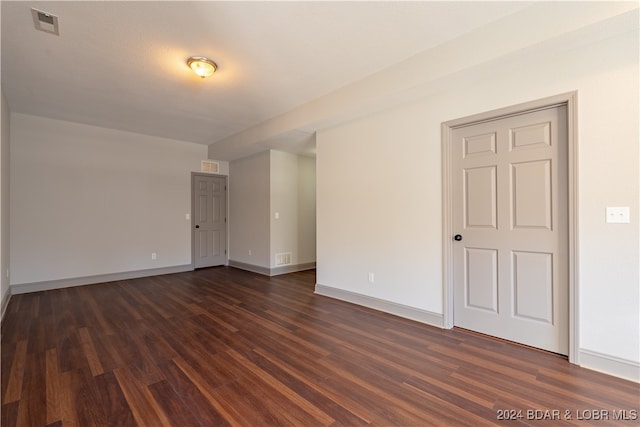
(204, 67)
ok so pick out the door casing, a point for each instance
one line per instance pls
(570, 100)
(193, 223)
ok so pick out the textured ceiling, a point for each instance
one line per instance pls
(122, 64)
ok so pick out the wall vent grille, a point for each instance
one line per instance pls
(45, 21)
(283, 258)
(209, 166)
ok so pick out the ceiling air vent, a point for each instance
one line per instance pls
(44, 21)
(209, 166)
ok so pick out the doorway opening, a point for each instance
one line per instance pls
(480, 258)
(208, 220)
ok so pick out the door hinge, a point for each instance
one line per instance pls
(225, 251)
(225, 220)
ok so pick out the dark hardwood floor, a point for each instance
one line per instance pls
(223, 347)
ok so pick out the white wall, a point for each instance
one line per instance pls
(284, 203)
(379, 181)
(378, 208)
(306, 209)
(223, 166)
(261, 186)
(4, 200)
(90, 201)
(249, 199)
(293, 198)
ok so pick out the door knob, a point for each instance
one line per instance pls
(457, 237)
(197, 226)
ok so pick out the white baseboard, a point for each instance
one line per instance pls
(266, 271)
(292, 268)
(249, 267)
(610, 365)
(24, 288)
(401, 310)
(5, 302)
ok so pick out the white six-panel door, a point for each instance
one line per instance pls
(210, 224)
(510, 213)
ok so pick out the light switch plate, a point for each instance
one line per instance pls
(618, 215)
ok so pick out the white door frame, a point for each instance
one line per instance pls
(570, 100)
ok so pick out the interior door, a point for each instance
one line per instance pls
(209, 220)
(510, 218)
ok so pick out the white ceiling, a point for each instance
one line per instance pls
(122, 64)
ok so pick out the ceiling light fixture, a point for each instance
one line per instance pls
(204, 67)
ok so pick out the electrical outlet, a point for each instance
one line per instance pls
(618, 215)
(371, 277)
(249, 252)
(154, 256)
(187, 216)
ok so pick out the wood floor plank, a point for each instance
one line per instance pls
(475, 414)
(200, 407)
(9, 414)
(85, 406)
(437, 378)
(67, 401)
(104, 325)
(304, 387)
(318, 415)
(39, 335)
(7, 356)
(230, 414)
(197, 310)
(33, 397)
(112, 399)
(90, 352)
(248, 404)
(16, 324)
(71, 355)
(281, 331)
(146, 411)
(380, 390)
(16, 375)
(178, 413)
(317, 383)
(225, 347)
(52, 387)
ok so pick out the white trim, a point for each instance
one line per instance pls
(447, 228)
(401, 310)
(5, 302)
(572, 175)
(249, 267)
(285, 269)
(570, 100)
(24, 288)
(610, 365)
(266, 271)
